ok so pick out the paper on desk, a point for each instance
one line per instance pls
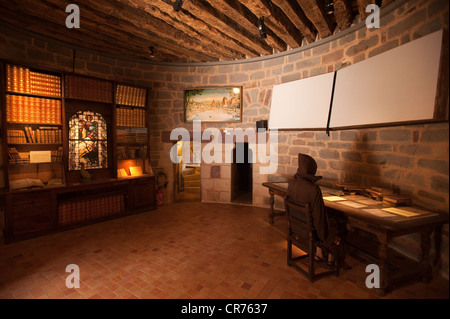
(399, 211)
(369, 202)
(378, 212)
(333, 198)
(353, 204)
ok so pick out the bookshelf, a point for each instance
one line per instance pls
(32, 126)
(88, 89)
(131, 131)
(89, 104)
(46, 116)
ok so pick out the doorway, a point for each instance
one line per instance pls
(188, 185)
(242, 174)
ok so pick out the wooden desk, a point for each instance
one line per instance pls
(365, 214)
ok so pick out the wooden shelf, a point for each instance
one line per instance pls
(35, 144)
(52, 97)
(130, 106)
(28, 163)
(133, 144)
(130, 127)
(33, 123)
(86, 100)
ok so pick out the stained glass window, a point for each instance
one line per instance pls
(87, 141)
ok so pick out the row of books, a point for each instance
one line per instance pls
(23, 80)
(131, 117)
(135, 135)
(13, 153)
(131, 152)
(24, 157)
(57, 155)
(71, 212)
(50, 135)
(132, 96)
(82, 88)
(45, 84)
(26, 109)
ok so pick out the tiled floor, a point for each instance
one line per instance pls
(182, 251)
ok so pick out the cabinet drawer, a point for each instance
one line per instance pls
(31, 213)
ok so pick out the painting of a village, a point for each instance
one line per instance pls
(213, 104)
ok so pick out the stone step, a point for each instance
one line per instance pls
(194, 183)
(192, 189)
(192, 177)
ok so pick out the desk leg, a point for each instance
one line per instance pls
(272, 203)
(425, 240)
(437, 245)
(383, 255)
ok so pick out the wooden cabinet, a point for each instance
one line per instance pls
(143, 193)
(29, 213)
(55, 124)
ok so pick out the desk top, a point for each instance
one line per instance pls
(367, 209)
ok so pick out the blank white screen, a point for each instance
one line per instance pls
(301, 104)
(394, 86)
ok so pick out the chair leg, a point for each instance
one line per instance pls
(312, 260)
(289, 252)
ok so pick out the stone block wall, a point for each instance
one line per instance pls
(413, 159)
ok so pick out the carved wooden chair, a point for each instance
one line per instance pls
(301, 233)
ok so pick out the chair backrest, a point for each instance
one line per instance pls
(300, 223)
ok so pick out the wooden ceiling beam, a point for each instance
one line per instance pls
(298, 18)
(100, 19)
(195, 28)
(233, 9)
(258, 8)
(204, 11)
(284, 28)
(317, 17)
(105, 29)
(362, 4)
(140, 22)
(277, 21)
(54, 30)
(202, 31)
(343, 13)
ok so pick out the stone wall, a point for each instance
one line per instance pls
(413, 159)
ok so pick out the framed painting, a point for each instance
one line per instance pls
(215, 104)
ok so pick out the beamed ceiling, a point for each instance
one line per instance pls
(202, 31)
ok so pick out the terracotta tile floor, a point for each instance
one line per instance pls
(180, 251)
